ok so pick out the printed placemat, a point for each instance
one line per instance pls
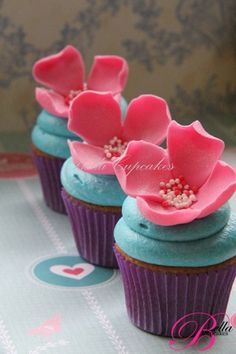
(54, 302)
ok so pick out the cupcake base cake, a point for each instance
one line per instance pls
(49, 168)
(93, 204)
(176, 279)
(176, 240)
(50, 150)
(63, 76)
(92, 227)
(157, 296)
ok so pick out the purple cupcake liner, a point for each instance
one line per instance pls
(49, 173)
(93, 231)
(155, 300)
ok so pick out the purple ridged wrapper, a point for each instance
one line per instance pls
(93, 231)
(155, 300)
(49, 169)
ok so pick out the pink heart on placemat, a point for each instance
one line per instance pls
(78, 271)
(47, 328)
(75, 271)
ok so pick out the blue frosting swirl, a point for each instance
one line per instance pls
(199, 228)
(96, 189)
(50, 135)
(123, 106)
(203, 242)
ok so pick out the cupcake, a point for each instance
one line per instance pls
(91, 191)
(63, 74)
(176, 240)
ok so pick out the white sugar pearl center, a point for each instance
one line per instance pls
(72, 94)
(115, 148)
(177, 193)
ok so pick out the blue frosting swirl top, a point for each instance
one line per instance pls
(96, 189)
(195, 230)
(50, 135)
(203, 242)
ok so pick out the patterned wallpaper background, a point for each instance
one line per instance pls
(182, 50)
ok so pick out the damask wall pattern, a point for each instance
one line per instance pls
(182, 50)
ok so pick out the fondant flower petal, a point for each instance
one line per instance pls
(90, 158)
(147, 118)
(61, 72)
(117, 97)
(108, 74)
(193, 152)
(217, 190)
(52, 102)
(155, 213)
(95, 117)
(141, 169)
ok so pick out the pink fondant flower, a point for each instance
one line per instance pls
(96, 118)
(185, 182)
(63, 73)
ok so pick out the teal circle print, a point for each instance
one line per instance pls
(71, 272)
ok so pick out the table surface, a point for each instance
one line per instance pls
(45, 307)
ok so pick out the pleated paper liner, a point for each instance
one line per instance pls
(157, 296)
(93, 227)
(49, 168)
